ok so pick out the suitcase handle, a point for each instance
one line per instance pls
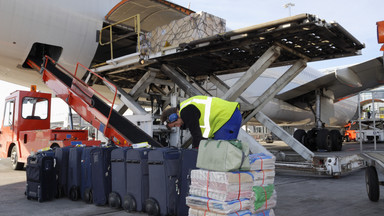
(117, 160)
(133, 161)
(33, 160)
(155, 162)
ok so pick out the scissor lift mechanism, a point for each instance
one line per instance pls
(292, 41)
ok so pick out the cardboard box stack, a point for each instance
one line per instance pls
(195, 26)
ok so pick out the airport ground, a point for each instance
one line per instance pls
(297, 194)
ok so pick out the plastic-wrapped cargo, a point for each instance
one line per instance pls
(195, 26)
(223, 186)
(263, 177)
(268, 212)
(216, 206)
(261, 161)
(197, 212)
(264, 198)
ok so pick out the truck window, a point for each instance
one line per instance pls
(8, 113)
(34, 108)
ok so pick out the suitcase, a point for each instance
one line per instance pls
(188, 163)
(101, 174)
(41, 177)
(86, 175)
(119, 177)
(62, 155)
(163, 165)
(74, 173)
(137, 180)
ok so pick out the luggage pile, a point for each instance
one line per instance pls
(230, 181)
(76, 172)
(153, 180)
(158, 181)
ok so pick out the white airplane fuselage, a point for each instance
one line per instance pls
(72, 25)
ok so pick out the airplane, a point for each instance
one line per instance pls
(70, 32)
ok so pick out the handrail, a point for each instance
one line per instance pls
(82, 82)
(136, 23)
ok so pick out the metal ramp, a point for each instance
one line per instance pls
(90, 104)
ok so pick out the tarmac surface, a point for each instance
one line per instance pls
(297, 194)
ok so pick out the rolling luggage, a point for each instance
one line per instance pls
(62, 155)
(137, 180)
(119, 177)
(163, 165)
(74, 173)
(101, 174)
(188, 163)
(86, 175)
(41, 177)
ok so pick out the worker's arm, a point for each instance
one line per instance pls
(190, 116)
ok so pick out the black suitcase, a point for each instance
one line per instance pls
(119, 177)
(188, 163)
(101, 174)
(137, 180)
(163, 164)
(41, 177)
(74, 173)
(62, 155)
(86, 175)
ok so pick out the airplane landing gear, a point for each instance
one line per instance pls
(320, 139)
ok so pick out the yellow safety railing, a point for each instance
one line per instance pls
(136, 25)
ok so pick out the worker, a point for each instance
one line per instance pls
(205, 117)
(369, 112)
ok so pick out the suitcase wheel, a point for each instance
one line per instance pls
(59, 192)
(129, 203)
(114, 200)
(88, 196)
(152, 207)
(74, 193)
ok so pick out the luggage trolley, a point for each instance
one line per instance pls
(375, 162)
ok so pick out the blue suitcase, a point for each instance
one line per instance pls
(86, 175)
(119, 177)
(163, 164)
(74, 173)
(41, 177)
(62, 155)
(101, 174)
(137, 180)
(188, 163)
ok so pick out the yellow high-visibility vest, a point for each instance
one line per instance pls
(215, 112)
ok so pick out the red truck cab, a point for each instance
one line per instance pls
(26, 128)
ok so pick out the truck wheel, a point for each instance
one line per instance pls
(323, 140)
(14, 159)
(336, 140)
(372, 184)
(299, 135)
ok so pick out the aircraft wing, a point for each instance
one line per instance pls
(343, 82)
